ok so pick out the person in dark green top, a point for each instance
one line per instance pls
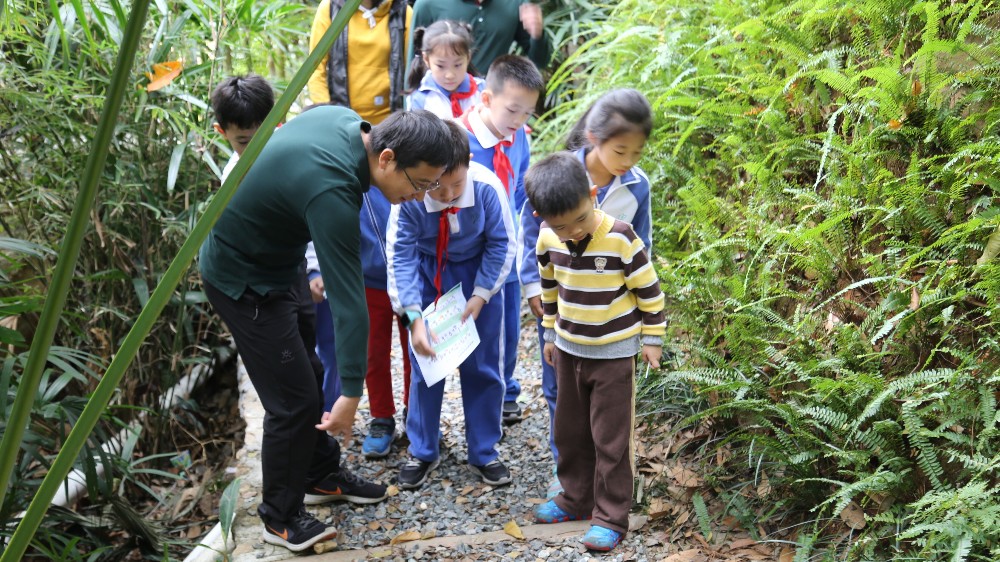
(307, 184)
(496, 25)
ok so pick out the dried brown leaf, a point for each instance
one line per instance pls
(658, 508)
(854, 516)
(407, 536)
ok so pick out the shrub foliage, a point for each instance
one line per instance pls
(824, 179)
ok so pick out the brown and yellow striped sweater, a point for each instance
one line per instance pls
(601, 295)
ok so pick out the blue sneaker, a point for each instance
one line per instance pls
(601, 538)
(381, 434)
(549, 512)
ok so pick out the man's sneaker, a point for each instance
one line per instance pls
(601, 538)
(345, 486)
(511, 412)
(495, 473)
(550, 512)
(414, 473)
(299, 534)
(381, 434)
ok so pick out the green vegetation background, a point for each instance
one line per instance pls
(823, 186)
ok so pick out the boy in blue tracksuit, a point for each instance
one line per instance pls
(462, 233)
(499, 142)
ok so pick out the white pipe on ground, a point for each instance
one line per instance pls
(212, 546)
(75, 484)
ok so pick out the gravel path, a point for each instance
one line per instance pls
(453, 502)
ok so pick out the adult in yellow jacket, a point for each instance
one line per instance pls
(365, 68)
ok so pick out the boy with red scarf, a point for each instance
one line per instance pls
(462, 232)
(498, 141)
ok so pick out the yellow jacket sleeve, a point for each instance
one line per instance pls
(319, 92)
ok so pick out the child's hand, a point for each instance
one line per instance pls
(472, 308)
(421, 338)
(535, 303)
(316, 288)
(549, 352)
(651, 355)
(531, 19)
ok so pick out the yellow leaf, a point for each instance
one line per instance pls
(405, 537)
(895, 124)
(513, 530)
(163, 74)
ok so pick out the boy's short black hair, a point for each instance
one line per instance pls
(415, 137)
(460, 154)
(243, 101)
(556, 184)
(516, 70)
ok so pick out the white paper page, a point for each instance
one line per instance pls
(455, 340)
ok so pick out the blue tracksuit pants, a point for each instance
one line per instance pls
(549, 390)
(326, 349)
(480, 377)
(511, 336)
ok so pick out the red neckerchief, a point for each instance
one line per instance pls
(501, 164)
(457, 97)
(444, 229)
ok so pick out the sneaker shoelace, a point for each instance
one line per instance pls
(413, 463)
(350, 477)
(304, 520)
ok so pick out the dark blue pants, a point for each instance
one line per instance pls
(550, 388)
(511, 337)
(326, 349)
(480, 377)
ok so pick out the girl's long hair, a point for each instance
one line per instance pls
(616, 112)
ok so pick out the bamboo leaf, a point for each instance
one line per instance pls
(175, 164)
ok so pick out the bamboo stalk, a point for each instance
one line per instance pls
(98, 401)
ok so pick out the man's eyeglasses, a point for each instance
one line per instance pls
(426, 187)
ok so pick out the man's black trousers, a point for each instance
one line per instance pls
(275, 335)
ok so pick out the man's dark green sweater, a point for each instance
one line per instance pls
(306, 184)
(496, 25)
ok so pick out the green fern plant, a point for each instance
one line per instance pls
(825, 200)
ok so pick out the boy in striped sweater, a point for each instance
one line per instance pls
(602, 304)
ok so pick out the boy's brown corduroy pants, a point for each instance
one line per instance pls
(595, 414)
